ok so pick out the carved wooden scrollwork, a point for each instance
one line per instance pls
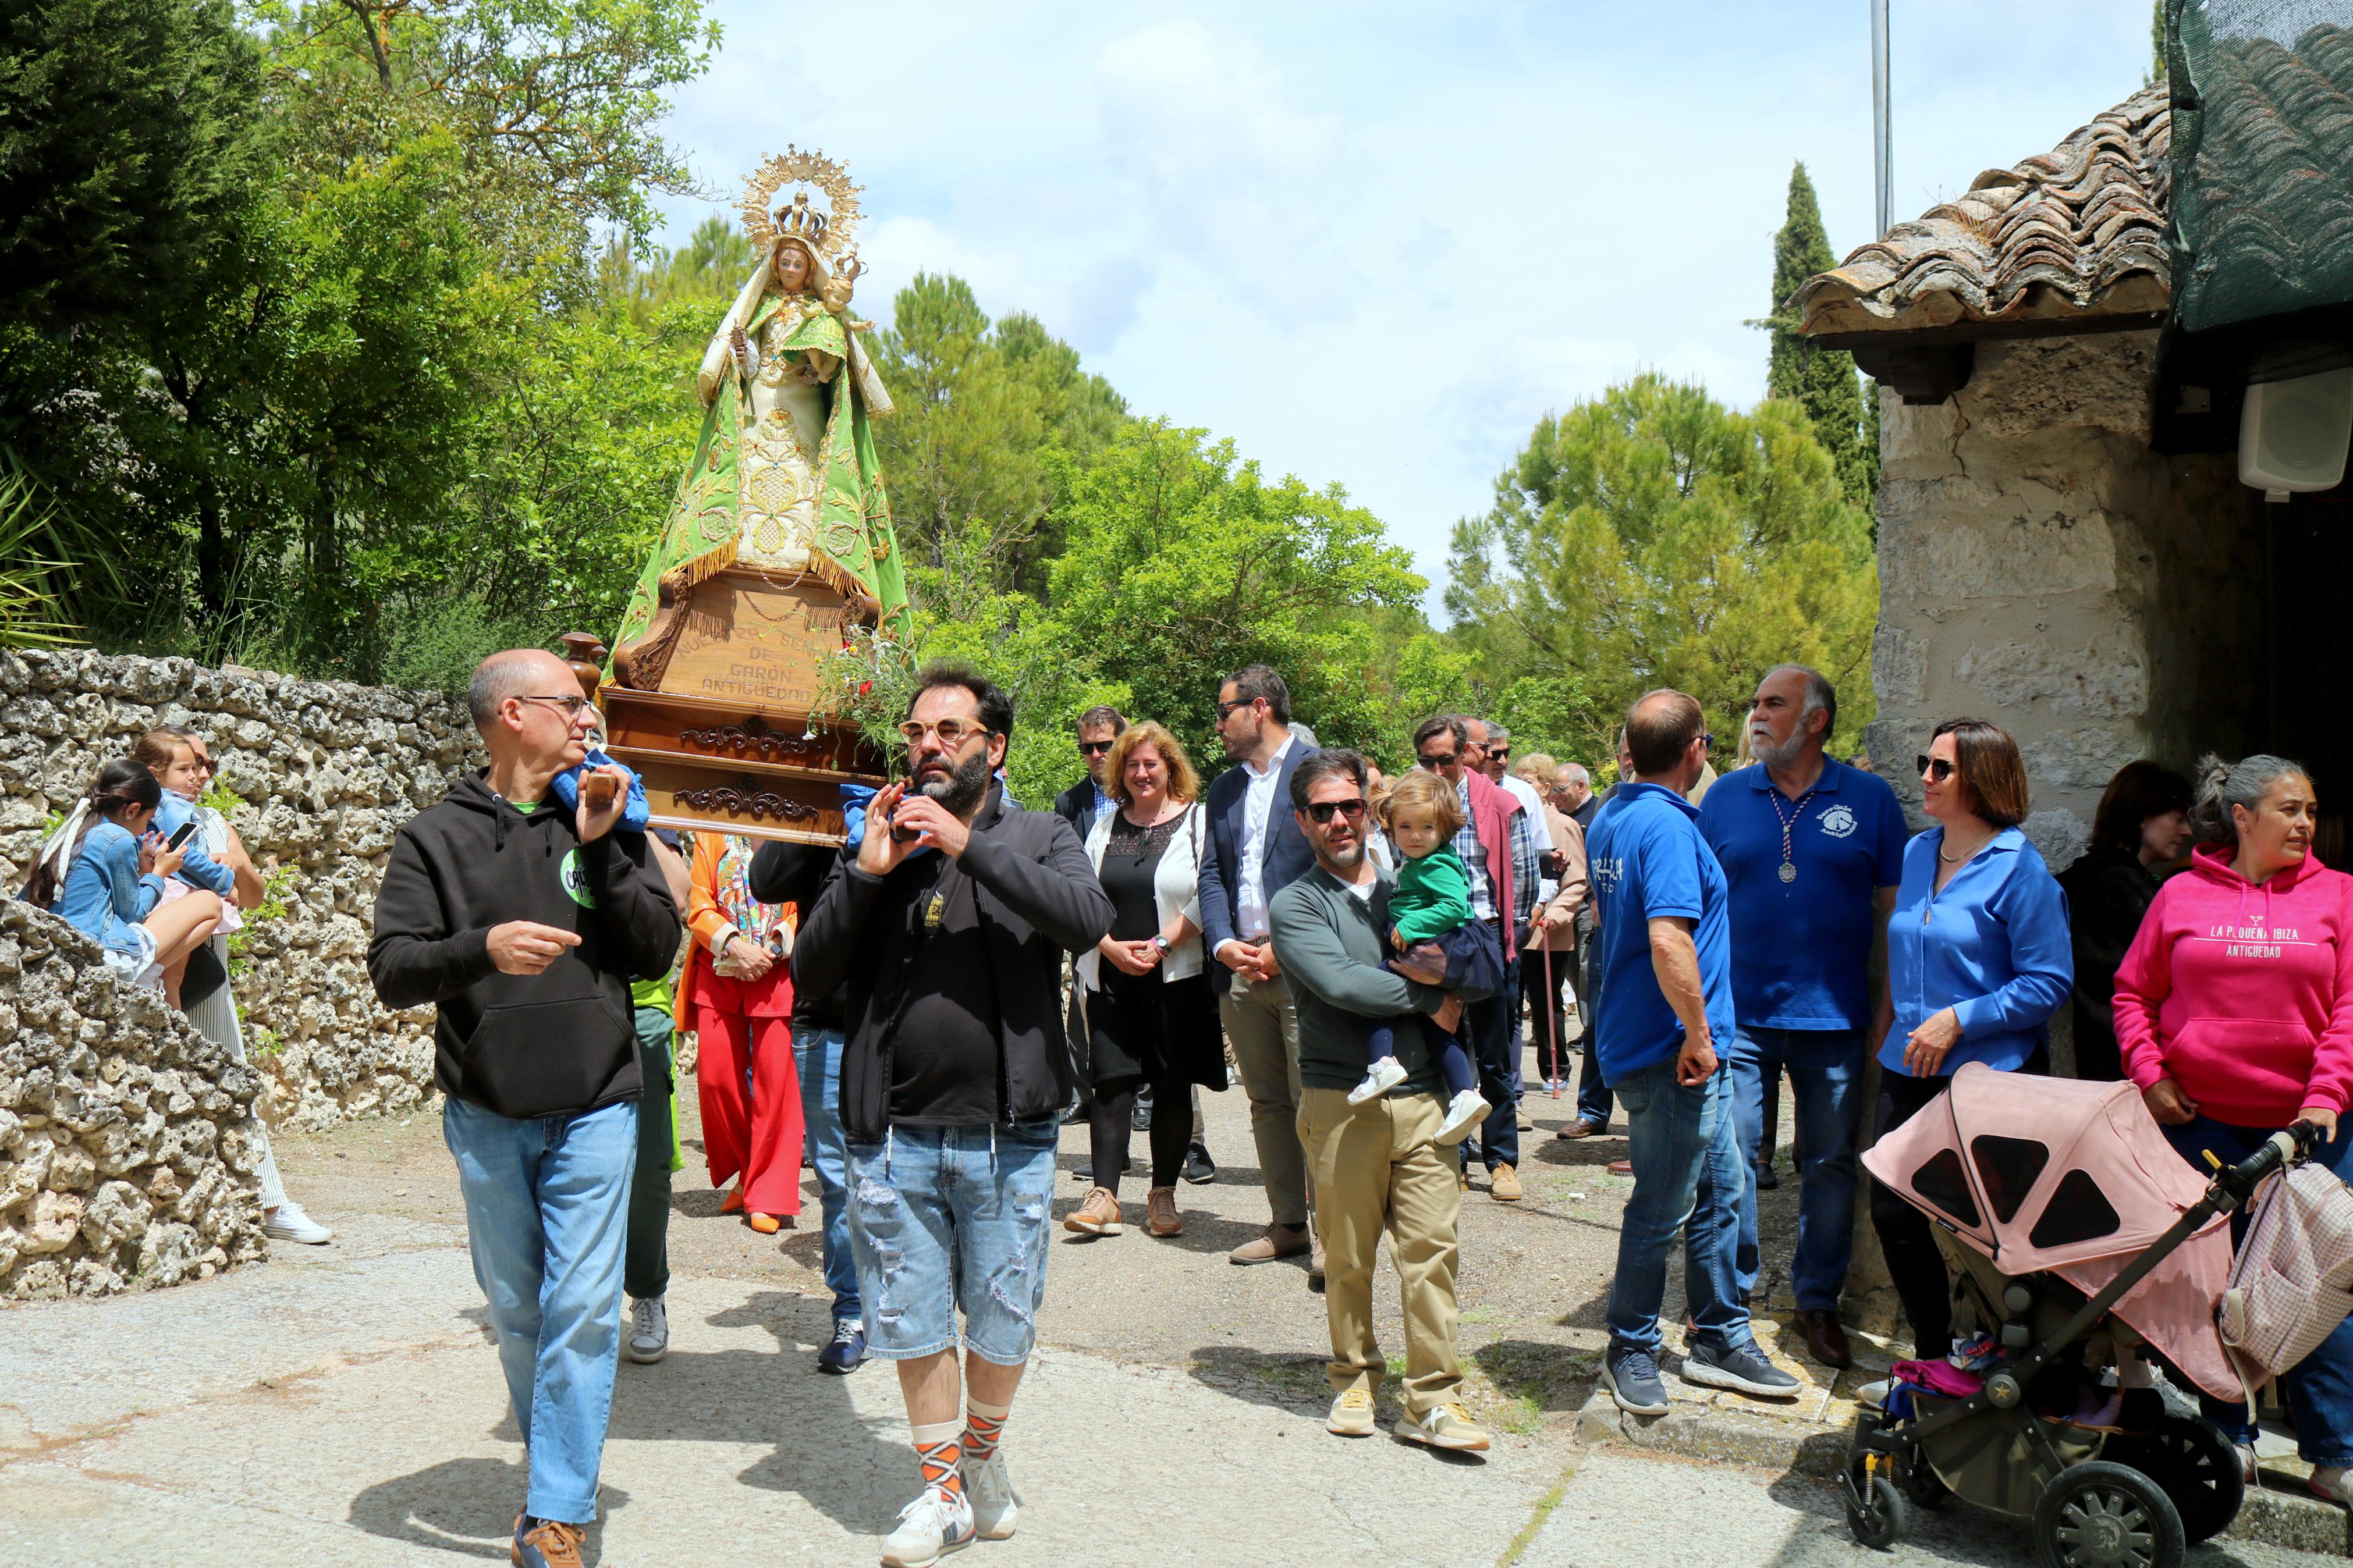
(756, 739)
(755, 804)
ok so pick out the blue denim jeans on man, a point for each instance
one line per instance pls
(1592, 1093)
(2320, 1386)
(1826, 1069)
(816, 1054)
(1676, 1134)
(547, 1217)
(1493, 1029)
(943, 1218)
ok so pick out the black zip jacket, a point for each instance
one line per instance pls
(522, 1044)
(786, 873)
(1038, 897)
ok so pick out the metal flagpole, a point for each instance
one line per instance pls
(1882, 143)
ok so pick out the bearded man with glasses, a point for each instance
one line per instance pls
(1377, 1165)
(946, 932)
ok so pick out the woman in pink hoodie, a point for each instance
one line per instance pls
(2234, 1014)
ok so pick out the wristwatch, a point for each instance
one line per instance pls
(1162, 943)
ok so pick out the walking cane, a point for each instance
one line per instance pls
(1552, 1022)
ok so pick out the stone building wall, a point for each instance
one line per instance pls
(2042, 567)
(128, 1147)
(324, 772)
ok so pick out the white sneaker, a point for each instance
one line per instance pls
(989, 1491)
(649, 1331)
(286, 1222)
(931, 1527)
(1384, 1076)
(1466, 1111)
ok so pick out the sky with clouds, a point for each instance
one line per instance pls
(1373, 244)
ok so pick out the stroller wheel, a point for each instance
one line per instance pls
(1874, 1509)
(2197, 1467)
(2105, 1515)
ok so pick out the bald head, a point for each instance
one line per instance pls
(1659, 730)
(516, 672)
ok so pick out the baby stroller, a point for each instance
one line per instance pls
(2077, 1238)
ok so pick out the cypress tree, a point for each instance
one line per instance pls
(1820, 381)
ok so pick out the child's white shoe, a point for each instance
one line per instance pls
(1384, 1076)
(1466, 1111)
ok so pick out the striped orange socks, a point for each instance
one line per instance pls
(942, 1457)
(983, 1426)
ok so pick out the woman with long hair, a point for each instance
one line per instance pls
(2234, 1014)
(102, 872)
(737, 996)
(1151, 1015)
(2142, 824)
(1977, 959)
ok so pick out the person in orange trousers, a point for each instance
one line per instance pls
(737, 996)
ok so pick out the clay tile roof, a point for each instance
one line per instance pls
(2072, 233)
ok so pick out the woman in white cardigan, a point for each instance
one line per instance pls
(1151, 1015)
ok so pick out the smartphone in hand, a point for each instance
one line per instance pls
(181, 834)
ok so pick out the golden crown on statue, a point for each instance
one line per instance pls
(826, 233)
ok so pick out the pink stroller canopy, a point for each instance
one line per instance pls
(2074, 1178)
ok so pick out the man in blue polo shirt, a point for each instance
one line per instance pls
(1813, 850)
(1666, 951)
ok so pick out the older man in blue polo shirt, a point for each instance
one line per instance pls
(1813, 850)
(1666, 948)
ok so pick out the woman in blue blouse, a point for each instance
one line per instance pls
(103, 872)
(1978, 958)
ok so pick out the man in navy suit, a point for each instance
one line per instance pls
(1080, 804)
(1256, 849)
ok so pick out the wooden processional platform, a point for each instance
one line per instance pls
(728, 737)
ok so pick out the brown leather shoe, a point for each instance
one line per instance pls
(1503, 1184)
(1099, 1216)
(1580, 1128)
(1160, 1212)
(1280, 1241)
(1621, 1167)
(1826, 1338)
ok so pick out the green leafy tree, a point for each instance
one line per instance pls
(1820, 381)
(1651, 537)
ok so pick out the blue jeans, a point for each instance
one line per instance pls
(2320, 1386)
(547, 1204)
(1592, 1093)
(1492, 1027)
(817, 1053)
(1826, 1069)
(943, 1218)
(1677, 1134)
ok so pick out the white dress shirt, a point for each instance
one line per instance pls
(1251, 923)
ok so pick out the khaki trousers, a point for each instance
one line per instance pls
(1264, 1028)
(1377, 1169)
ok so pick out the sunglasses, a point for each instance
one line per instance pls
(1434, 761)
(1937, 768)
(1322, 811)
(1226, 708)
(1499, 754)
(1094, 748)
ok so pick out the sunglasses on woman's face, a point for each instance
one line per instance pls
(1937, 768)
(1322, 811)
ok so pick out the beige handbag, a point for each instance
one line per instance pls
(2292, 1283)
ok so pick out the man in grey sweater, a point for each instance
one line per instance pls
(1376, 1166)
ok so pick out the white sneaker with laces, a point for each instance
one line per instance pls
(931, 1527)
(649, 1331)
(1384, 1076)
(286, 1222)
(1466, 1111)
(989, 1491)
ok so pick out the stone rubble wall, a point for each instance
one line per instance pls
(129, 1140)
(324, 772)
(2042, 567)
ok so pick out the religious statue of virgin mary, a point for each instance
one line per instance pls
(784, 480)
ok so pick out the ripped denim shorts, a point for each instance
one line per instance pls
(949, 1218)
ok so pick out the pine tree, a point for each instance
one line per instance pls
(1820, 381)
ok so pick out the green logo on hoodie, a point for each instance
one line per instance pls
(568, 873)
